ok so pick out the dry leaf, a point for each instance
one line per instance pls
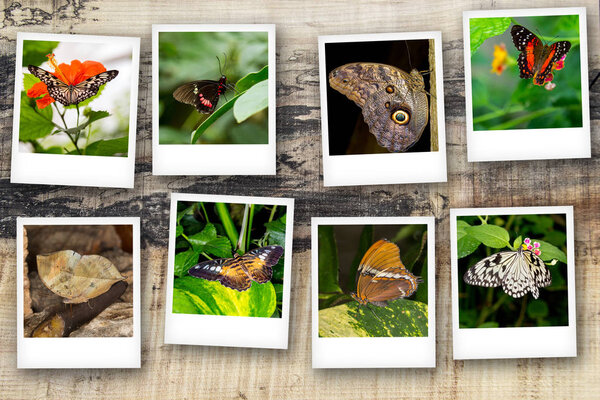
(75, 277)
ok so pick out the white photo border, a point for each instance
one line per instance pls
(533, 144)
(392, 168)
(525, 342)
(214, 159)
(64, 169)
(379, 352)
(222, 330)
(80, 352)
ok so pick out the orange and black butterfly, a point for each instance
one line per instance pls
(239, 272)
(382, 276)
(536, 59)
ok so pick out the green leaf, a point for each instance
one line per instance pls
(466, 244)
(199, 296)
(35, 51)
(490, 235)
(328, 261)
(178, 230)
(208, 241)
(33, 122)
(108, 147)
(276, 231)
(94, 115)
(537, 309)
(482, 29)
(251, 79)
(28, 81)
(219, 247)
(184, 261)
(517, 243)
(551, 252)
(401, 318)
(252, 101)
(201, 238)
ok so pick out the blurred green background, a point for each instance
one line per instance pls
(482, 307)
(191, 56)
(506, 101)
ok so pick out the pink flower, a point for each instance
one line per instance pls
(537, 252)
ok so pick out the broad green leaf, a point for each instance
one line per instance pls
(212, 118)
(219, 247)
(482, 29)
(94, 115)
(178, 230)
(201, 238)
(28, 81)
(490, 235)
(33, 122)
(517, 243)
(184, 261)
(276, 231)
(252, 101)
(328, 261)
(212, 298)
(108, 147)
(208, 241)
(465, 244)
(35, 51)
(401, 318)
(551, 252)
(251, 79)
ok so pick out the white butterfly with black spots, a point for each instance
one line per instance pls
(67, 94)
(518, 272)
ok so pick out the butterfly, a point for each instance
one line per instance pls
(382, 276)
(72, 94)
(238, 272)
(518, 272)
(536, 59)
(204, 95)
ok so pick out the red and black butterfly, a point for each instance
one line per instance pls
(382, 276)
(204, 94)
(238, 272)
(536, 59)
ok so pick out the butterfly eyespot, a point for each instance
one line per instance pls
(400, 117)
(345, 80)
(389, 89)
(387, 104)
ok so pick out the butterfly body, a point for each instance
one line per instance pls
(239, 272)
(203, 95)
(394, 103)
(382, 276)
(67, 94)
(536, 58)
(518, 272)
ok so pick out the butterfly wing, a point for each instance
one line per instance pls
(258, 263)
(382, 275)
(529, 45)
(227, 271)
(551, 54)
(57, 89)
(527, 274)
(490, 271)
(88, 88)
(204, 95)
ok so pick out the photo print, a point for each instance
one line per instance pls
(526, 82)
(513, 282)
(75, 110)
(213, 99)
(373, 292)
(229, 265)
(382, 108)
(78, 293)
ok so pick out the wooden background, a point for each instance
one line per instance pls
(174, 372)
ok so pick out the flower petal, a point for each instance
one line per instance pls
(44, 102)
(37, 90)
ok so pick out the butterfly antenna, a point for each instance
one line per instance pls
(375, 314)
(408, 53)
(219, 61)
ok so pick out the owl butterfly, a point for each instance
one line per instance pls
(382, 276)
(394, 103)
(536, 59)
(238, 272)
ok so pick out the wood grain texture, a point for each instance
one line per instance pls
(176, 372)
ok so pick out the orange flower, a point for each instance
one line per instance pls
(71, 74)
(500, 58)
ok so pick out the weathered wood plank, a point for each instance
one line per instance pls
(205, 372)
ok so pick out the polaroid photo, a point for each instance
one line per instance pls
(229, 271)
(373, 292)
(78, 293)
(382, 108)
(526, 84)
(213, 100)
(513, 282)
(75, 110)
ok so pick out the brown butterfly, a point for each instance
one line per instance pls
(382, 276)
(239, 272)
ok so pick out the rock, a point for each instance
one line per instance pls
(115, 321)
(32, 321)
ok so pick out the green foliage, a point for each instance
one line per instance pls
(189, 56)
(502, 102)
(35, 51)
(401, 318)
(341, 249)
(480, 237)
(206, 231)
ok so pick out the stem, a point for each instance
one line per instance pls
(240, 244)
(250, 220)
(205, 213)
(522, 313)
(62, 115)
(272, 213)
